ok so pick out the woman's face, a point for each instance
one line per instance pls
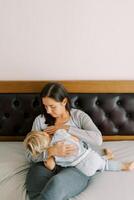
(54, 108)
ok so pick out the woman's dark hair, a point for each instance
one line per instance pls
(57, 92)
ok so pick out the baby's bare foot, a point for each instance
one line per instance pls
(109, 154)
(131, 166)
(128, 166)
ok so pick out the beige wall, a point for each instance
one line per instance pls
(66, 39)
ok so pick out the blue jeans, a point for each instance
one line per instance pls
(59, 184)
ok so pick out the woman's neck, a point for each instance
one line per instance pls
(63, 118)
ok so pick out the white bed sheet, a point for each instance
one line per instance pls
(113, 185)
(103, 186)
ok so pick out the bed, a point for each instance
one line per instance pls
(111, 106)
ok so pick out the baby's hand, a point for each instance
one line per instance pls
(50, 163)
(52, 129)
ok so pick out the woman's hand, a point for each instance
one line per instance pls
(61, 149)
(52, 129)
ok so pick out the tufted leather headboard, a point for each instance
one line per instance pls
(109, 103)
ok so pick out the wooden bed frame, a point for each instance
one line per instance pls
(72, 87)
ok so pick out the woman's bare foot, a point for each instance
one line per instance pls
(128, 166)
(108, 153)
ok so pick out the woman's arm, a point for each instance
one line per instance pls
(61, 149)
(39, 123)
(85, 128)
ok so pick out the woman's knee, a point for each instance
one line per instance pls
(37, 177)
(55, 189)
(69, 182)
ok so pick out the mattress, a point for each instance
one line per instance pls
(13, 170)
(102, 186)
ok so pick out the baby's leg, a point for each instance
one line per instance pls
(113, 165)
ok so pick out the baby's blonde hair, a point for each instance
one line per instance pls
(36, 143)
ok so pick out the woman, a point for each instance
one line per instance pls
(61, 183)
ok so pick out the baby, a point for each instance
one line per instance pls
(86, 160)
